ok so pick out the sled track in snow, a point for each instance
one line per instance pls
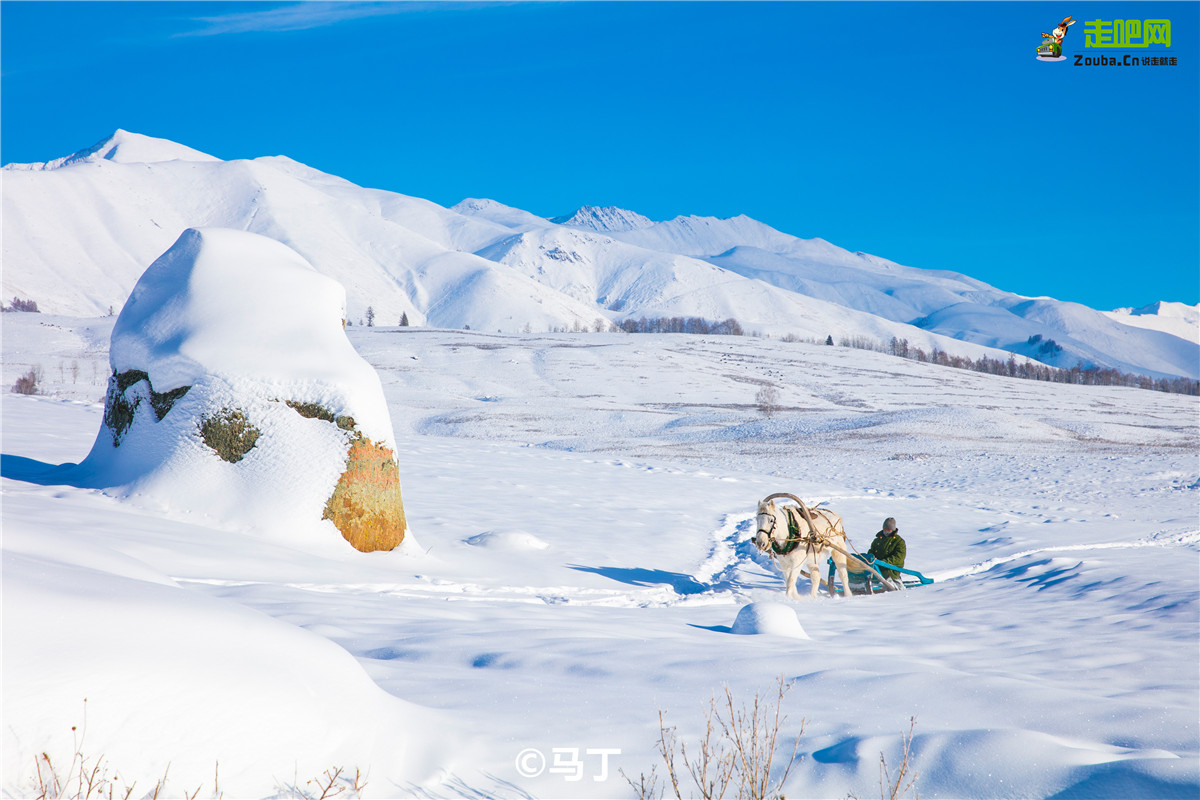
(1160, 539)
(720, 578)
(656, 596)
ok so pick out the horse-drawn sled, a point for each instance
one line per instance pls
(801, 539)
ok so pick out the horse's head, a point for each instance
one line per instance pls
(767, 522)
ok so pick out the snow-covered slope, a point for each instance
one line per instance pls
(628, 281)
(79, 230)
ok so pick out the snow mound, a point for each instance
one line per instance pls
(778, 619)
(235, 392)
(174, 677)
(510, 541)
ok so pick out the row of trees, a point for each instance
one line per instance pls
(1025, 368)
(21, 305)
(694, 325)
(698, 325)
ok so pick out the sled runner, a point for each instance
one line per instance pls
(865, 577)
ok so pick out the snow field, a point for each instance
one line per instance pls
(583, 506)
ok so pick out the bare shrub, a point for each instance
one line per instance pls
(737, 751)
(767, 400)
(28, 383)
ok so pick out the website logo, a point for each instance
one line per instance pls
(1127, 33)
(1051, 47)
(1130, 35)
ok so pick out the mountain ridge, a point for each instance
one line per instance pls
(80, 230)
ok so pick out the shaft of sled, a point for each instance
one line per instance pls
(885, 581)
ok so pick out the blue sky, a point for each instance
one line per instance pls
(922, 132)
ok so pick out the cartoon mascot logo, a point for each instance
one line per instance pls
(1051, 47)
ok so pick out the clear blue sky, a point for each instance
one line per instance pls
(926, 133)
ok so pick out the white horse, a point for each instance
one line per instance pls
(800, 537)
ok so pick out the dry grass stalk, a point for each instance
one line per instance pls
(906, 777)
(92, 778)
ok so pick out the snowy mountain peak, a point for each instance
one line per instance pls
(1177, 319)
(605, 219)
(124, 147)
(1163, 308)
(475, 205)
(492, 211)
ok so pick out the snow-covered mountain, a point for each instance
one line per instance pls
(79, 231)
(1178, 319)
(939, 301)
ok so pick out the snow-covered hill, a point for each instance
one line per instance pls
(79, 230)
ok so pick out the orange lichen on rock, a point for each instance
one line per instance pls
(366, 505)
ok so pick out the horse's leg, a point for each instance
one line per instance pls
(791, 571)
(839, 561)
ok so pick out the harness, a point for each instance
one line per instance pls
(813, 542)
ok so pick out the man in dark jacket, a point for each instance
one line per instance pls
(889, 547)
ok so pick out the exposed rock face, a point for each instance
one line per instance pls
(235, 393)
(366, 505)
(229, 434)
(125, 395)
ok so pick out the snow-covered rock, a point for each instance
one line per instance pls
(234, 392)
